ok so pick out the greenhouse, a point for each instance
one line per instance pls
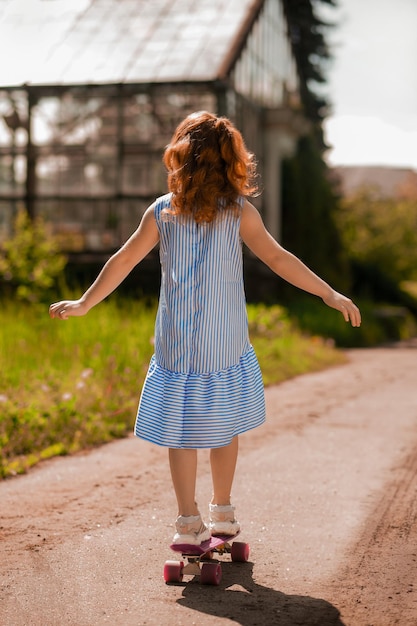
(94, 89)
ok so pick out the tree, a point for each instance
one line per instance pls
(381, 233)
(310, 201)
(309, 208)
(306, 31)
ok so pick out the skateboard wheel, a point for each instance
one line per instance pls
(173, 571)
(240, 552)
(211, 574)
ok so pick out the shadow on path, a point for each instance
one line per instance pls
(240, 599)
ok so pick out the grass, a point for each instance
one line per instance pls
(67, 386)
(282, 349)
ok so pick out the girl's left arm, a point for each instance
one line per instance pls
(289, 267)
(114, 271)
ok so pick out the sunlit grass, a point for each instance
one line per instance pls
(283, 351)
(66, 386)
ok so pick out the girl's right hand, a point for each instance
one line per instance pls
(67, 308)
(348, 308)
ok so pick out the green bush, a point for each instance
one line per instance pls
(30, 261)
(381, 323)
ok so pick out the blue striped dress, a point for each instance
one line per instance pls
(204, 385)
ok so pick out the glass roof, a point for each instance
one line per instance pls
(61, 42)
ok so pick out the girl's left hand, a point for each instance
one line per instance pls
(348, 308)
(67, 308)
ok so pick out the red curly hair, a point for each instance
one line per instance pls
(208, 167)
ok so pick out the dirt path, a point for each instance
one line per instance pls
(326, 494)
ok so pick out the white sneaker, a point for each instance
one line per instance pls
(191, 530)
(222, 520)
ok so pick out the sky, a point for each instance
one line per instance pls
(372, 83)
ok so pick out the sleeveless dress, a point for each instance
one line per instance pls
(204, 384)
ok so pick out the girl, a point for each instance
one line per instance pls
(204, 386)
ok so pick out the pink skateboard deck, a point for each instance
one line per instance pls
(212, 544)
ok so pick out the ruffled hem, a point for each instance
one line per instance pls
(201, 410)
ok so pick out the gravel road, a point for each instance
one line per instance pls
(326, 495)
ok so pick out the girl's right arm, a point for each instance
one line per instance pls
(114, 271)
(289, 267)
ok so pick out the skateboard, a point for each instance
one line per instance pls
(200, 562)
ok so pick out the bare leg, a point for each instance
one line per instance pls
(183, 464)
(223, 465)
